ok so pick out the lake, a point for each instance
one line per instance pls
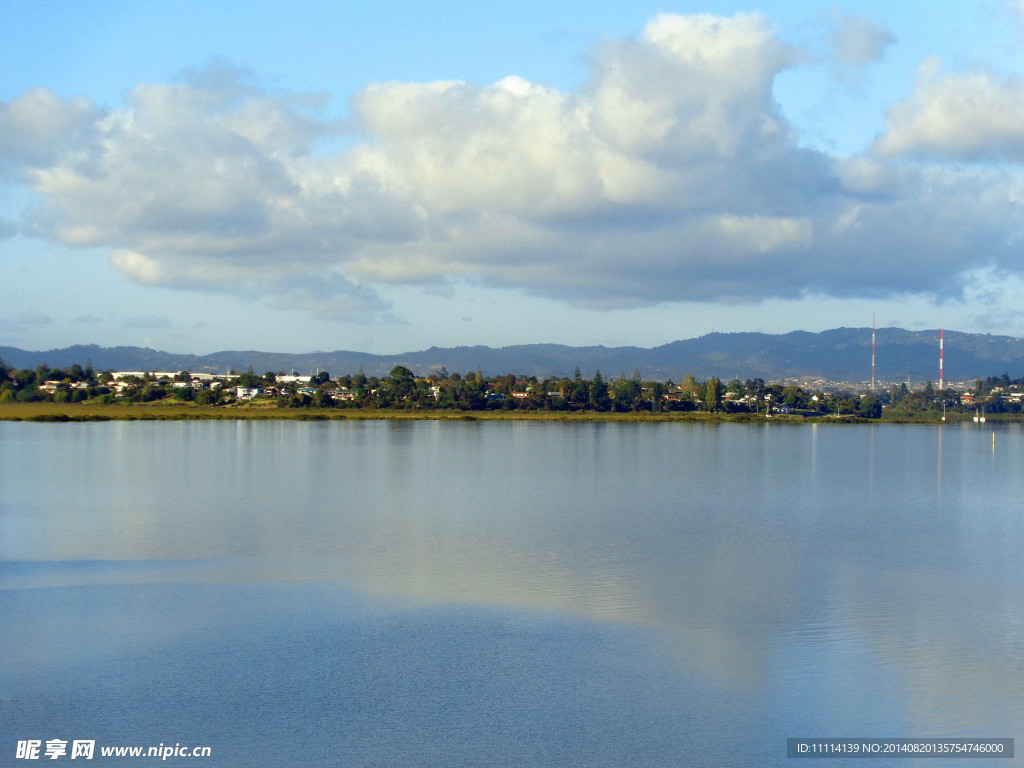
(391, 593)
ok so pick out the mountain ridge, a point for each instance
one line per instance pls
(840, 354)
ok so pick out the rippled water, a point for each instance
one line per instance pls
(508, 594)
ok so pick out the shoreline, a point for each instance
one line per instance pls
(84, 412)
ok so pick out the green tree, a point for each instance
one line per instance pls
(713, 395)
(537, 390)
(869, 407)
(579, 391)
(321, 399)
(794, 397)
(755, 388)
(598, 395)
(472, 396)
(207, 397)
(150, 393)
(654, 396)
(183, 393)
(627, 393)
(503, 384)
(249, 379)
(400, 382)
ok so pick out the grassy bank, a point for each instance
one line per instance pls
(58, 412)
(167, 411)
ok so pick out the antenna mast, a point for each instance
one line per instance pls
(872, 351)
(941, 341)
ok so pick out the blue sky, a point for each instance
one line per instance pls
(199, 176)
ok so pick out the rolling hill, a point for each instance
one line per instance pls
(841, 354)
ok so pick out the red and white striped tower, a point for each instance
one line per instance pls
(872, 351)
(941, 341)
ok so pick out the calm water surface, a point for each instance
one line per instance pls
(508, 594)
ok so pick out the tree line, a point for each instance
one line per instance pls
(472, 391)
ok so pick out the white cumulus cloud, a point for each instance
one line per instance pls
(963, 116)
(857, 41)
(671, 174)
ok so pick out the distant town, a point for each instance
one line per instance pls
(403, 389)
